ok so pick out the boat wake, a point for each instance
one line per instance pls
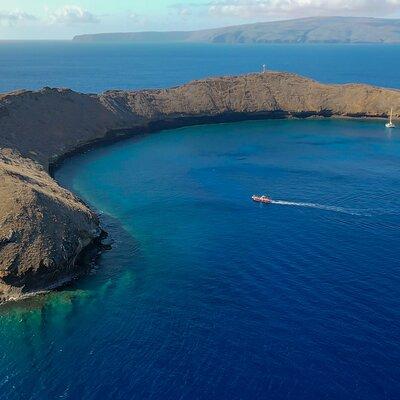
(318, 206)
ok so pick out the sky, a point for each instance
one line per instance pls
(62, 19)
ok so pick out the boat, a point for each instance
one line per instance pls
(390, 124)
(261, 199)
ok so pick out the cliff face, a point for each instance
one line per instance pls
(44, 227)
(46, 124)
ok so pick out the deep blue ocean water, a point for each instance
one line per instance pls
(91, 67)
(205, 294)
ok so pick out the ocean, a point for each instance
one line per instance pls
(205, 294)
(96, 67)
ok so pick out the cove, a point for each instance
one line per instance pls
(205, 294)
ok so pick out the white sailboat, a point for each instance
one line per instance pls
(390, 124)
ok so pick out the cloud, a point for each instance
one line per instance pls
(131, 17)
(136, 18)
(186, 11)
(12, 18)
(268, 9)
(72, 15)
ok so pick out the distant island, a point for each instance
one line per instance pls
(305, 30)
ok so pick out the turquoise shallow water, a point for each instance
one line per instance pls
(206, 294)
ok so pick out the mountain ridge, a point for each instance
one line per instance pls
(302, 30)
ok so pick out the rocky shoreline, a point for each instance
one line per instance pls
(45, 229)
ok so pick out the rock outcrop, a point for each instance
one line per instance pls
(44, 228)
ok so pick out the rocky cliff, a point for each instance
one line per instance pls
(44, 228)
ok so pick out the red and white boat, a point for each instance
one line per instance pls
(261, 199)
